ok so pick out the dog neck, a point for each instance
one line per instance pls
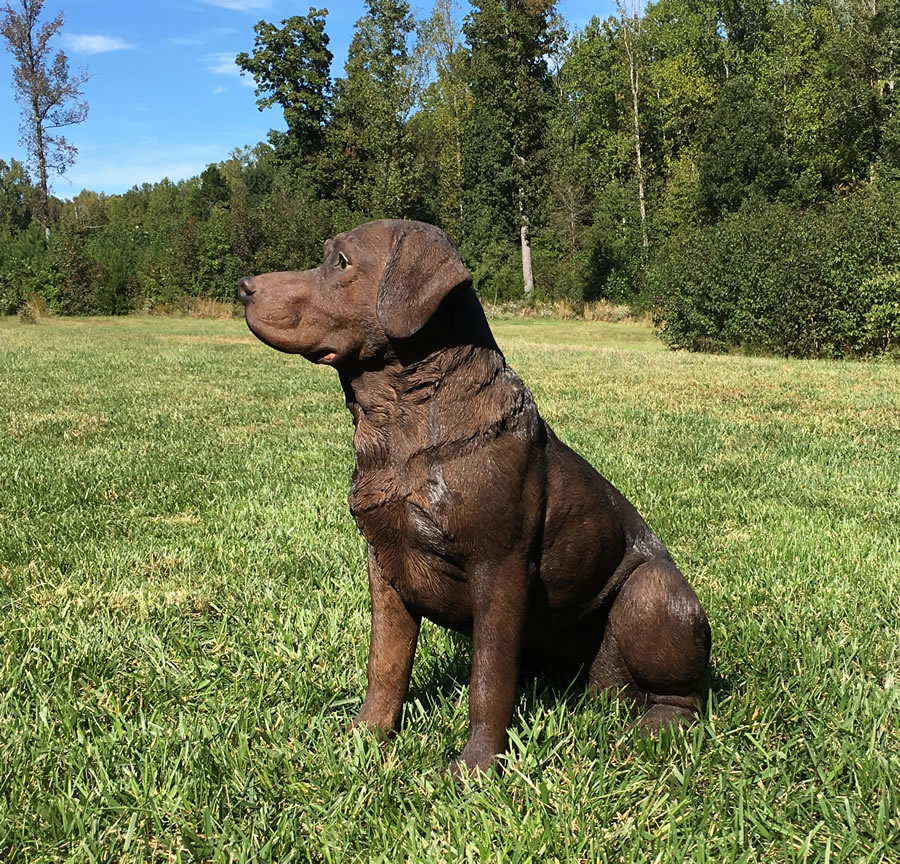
(430, 399)
(454, 353)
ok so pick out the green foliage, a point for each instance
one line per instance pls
(16, 194)
(505, 157)
(291, 66)
(75, 289)
(23, 267)
(880, 302)
(368, 160)
(115, 258)
(770, 153)
(743, 151)
(218, 268)
(439, 127)
(820, 284)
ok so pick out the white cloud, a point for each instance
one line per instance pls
(217, 90)
(240, 5)
(193, 40)
(95, 44)
(222, 63)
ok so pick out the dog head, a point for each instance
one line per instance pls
(380, 282)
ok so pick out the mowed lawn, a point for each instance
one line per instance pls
(184, 612)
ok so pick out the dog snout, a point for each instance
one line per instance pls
(245, 289)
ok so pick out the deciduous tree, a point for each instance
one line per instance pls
(369, 160)
(447, 100)
(49, 94)
(291, 66)
(506, 155)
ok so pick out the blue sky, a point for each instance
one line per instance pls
(166, 97)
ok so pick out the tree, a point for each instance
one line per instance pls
(49, 95)
(743, 153)
(447, 101)
(369, 161)
(506, 157)
(15, 198)
(213, 191)
(630, 29)
(291, 66)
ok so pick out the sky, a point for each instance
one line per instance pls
(166, 98)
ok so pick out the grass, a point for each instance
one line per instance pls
(184, 615)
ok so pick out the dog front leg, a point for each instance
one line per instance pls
(499, 597)
(395, 631)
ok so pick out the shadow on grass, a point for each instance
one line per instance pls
(717, 684)
(537, 690)
(446, 676)
(449, 672)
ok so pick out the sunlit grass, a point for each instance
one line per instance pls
(184, 612)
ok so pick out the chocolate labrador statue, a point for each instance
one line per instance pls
(476, 515)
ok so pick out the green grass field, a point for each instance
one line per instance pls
(184, 612)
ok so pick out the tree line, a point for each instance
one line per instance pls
(732, 167)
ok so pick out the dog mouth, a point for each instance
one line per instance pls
(324, 356)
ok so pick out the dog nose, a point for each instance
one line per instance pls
(245, 288)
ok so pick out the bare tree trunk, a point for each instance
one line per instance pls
(43, 178)
(634, 75)
(527, 272)
(525, 237)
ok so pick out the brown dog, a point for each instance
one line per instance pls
(476, 515)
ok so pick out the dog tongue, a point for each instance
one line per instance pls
(328, 358)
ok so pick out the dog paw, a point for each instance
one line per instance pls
(381, 730)
(471, 764)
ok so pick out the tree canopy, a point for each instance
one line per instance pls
(731, 168)
(49, 94)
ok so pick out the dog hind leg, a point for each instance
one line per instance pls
(655, 647)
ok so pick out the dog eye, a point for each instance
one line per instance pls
(343, 263)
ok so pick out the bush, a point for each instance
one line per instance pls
(79, 277)
(881, 329)
(198, 307)
(23, 268)
(770, 278)
(498, 278)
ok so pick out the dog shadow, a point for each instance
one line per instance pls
(449, 674)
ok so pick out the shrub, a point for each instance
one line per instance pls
(23, 268)
(603, 310)
(881, 322)
(770, 278)
(197, 307)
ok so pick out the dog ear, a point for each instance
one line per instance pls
(424, 267)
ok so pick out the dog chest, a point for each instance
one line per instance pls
(414, 548)
(411, 520)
